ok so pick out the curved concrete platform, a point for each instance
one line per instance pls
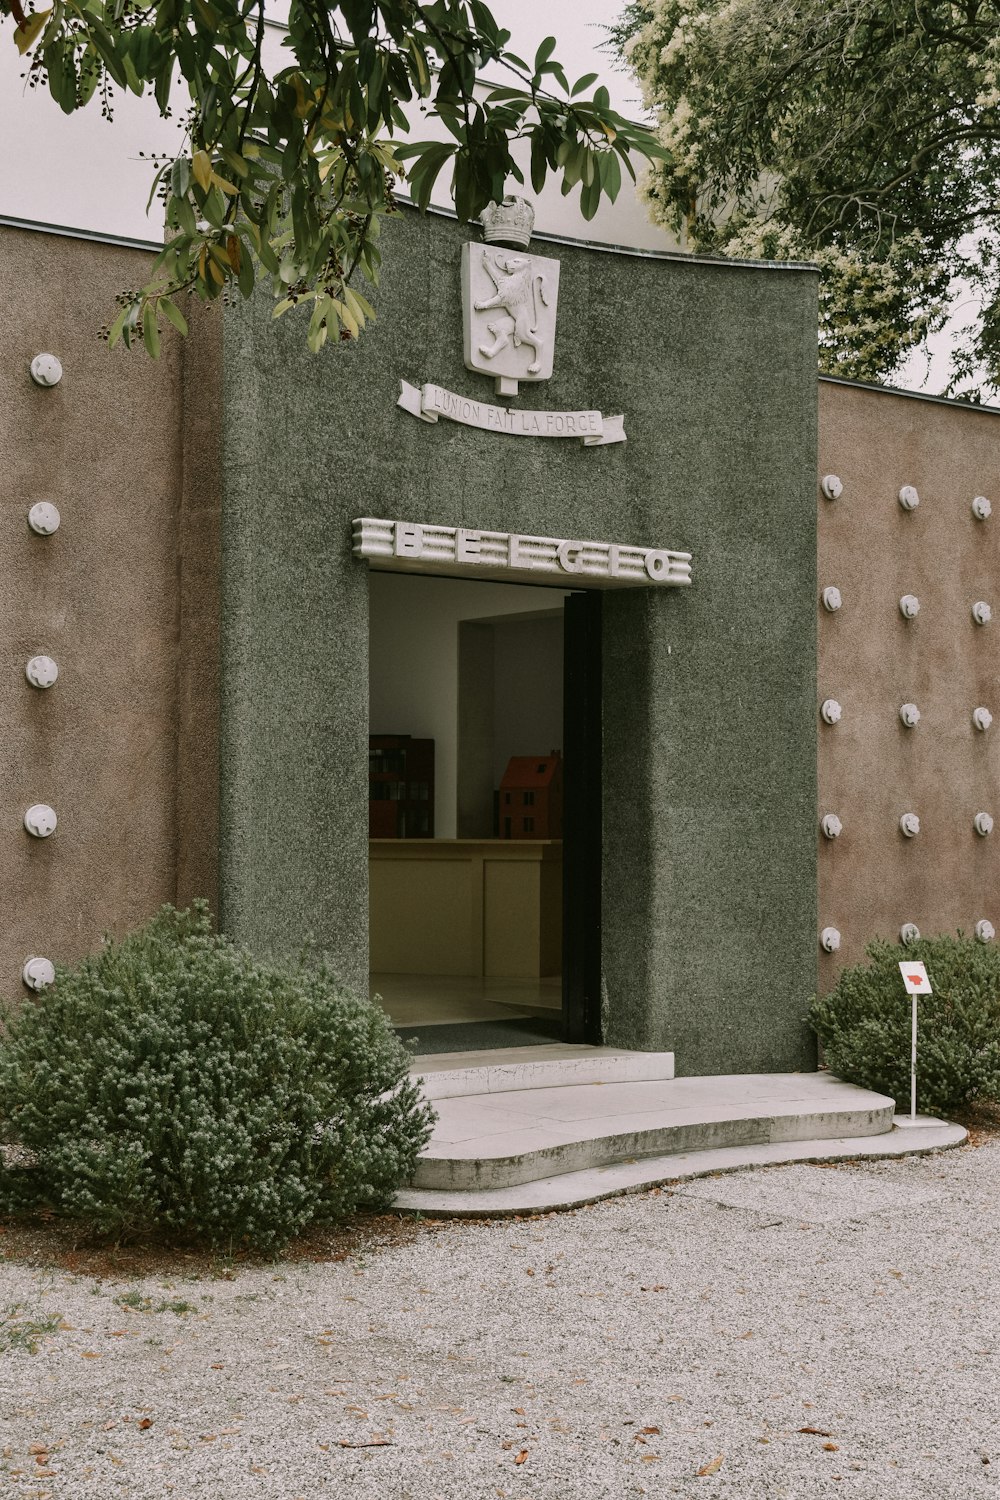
(535, 1129)
(482, 1142)
(573, 1189)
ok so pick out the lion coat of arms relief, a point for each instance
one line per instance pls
(509, 332)
(509, 307)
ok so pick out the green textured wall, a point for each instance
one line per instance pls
(710, 704)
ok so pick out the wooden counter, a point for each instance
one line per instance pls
(477, 907)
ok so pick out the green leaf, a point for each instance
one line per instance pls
(150, 332)
(139, 51)
(105, 44)
(173, 315)
(180, 177)
(545, 51)
(246, 277)
(201, 165)
(154, 186)
(25, 36)
(131, 323)
(419, 64)
(90, 73)
(347, 318)
(574, 165)
(621, 150)
(539, 165)
(132, 79)
(52, 58)
(584, 83)
(365, 305)
(504, 94)
(464, 187)
(220, 258)
(426, 169)
(353, 304)
(590, 197)
(235, 162)
(161, 87)
(115, 331)
(184, 213)
(611, 174)
(214, 208)
(268, 259)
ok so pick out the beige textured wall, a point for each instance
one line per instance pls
(872, 660)
(124, 597)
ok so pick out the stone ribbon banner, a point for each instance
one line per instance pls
(432, 401)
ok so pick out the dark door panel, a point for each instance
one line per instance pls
(582, 819)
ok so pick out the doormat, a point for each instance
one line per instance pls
(478, 1036)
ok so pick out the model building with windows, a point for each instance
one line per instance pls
(400, 787)
(531, 797)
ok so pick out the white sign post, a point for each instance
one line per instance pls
(916, 982)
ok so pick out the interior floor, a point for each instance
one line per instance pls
(438, 1000)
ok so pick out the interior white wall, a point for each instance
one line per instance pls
(528, 680)
(413, 662)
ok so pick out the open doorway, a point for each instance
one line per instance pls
(467, 809)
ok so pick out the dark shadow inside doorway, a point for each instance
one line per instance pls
(479, 1036)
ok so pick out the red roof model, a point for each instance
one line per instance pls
(531, 796)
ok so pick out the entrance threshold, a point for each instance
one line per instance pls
(440, 999)
(447, 1075)
(452, 1014)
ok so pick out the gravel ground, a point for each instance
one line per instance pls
(799, 1331)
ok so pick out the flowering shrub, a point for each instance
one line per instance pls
(173, 1084)
(859, 136)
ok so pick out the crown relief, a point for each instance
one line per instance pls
(509, 222)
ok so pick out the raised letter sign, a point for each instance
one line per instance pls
(466, 545)
(409, 539)
(457, 551)
(568, 555)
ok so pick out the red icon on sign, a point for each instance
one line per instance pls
(916, 978)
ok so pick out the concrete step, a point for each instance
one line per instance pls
(571, 1189)
(449, 1075)
(489, 1141)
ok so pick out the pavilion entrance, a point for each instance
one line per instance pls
(479, 933)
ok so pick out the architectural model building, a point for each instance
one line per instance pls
(400, 787)
(531, 797)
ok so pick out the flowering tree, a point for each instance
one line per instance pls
(860, 134)
(288, 170)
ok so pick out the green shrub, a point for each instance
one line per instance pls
(173, 1084)
(864, 1023)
